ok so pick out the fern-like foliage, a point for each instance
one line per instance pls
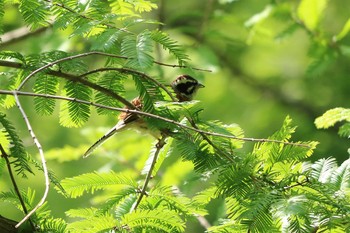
(47, 85)
(106, 41)
(152, 221)
(75, 114)
(138, 49)
(51, 224)
(170, 45)
(258, 182)
(166, 197)
(331, 117)
(90, 182)
(91, 222)
(16, 148)
(112, 81)
(130, 9)
(34, 12)
(42, 217)
(120, 203)
(149, 93)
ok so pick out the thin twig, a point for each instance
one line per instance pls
(62, 60)
(159, 146)
(43, 161)
(15, 186)
(146, 114)
(79, 56)
(181, 66)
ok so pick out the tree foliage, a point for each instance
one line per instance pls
(274, 187)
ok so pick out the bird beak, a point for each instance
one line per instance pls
(200, 85)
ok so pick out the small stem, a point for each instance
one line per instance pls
(159, 146)
(43, 161)
(12, 177)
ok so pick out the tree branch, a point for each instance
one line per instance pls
(146, 114)
(7, 225)
(15, 186)
(73, 78)
(19, 34)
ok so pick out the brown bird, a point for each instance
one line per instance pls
(184, 86)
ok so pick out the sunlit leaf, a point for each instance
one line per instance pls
(310, 12)
(344, 31)
(331, 117)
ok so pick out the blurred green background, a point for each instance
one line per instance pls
(269, 59)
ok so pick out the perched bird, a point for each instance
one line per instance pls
(184, 86)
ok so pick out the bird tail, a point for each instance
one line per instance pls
(104, 138)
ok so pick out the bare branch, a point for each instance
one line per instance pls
(62, 60)
(146, 114)
(159, 146)
(43, 161)
(20, 34)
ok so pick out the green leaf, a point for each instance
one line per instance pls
(138, 49)
(10, 81)
(323, 169)
(9, 55)
(120, 202)
(291, 211)
(311, 11)
(123, 8)
(172, 46)
(129, 8)
(75, 114)
(112, 81)
(153, 221)
(341, 176)
(344, 31)
(91, 223)
(47, 85)
(144, 6)
(11, 197)
(16, 148)
(166, 197)
(34, 12)
(331, 117)
(106, 40)
(90, 182)
(257, 217)
(56, 225)
(344, 130)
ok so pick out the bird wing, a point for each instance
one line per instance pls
(120, 125)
